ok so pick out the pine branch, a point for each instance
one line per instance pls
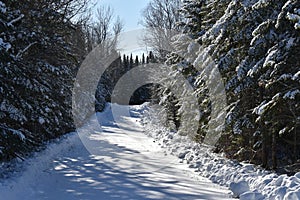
(19, 55)
(15, 20)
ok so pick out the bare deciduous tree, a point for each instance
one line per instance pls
(105, 30)
(103, 22)
(160, 19)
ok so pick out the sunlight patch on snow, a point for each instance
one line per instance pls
(60, 167)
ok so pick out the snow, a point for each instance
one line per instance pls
(292, 195)
(218, 28)
(271, 57)
(291, 94)
(296, 76)
(15, 132)
(285, 77)
(259, 110)
(137, 158)
(252, 196)
(4, 45)
(15, 20)
(282, 131)
(255, 68)
(239, 188)
(260, 4)
(290, 43)
(294, 18)
(47, 109)
(19, 134)
(126, 164)
(245, 180)
(2, 7)
(192, 47)
(260, 28)
(41, 120)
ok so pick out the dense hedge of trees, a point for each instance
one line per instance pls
(115, 71)
(42, 45)
(255, 46)
(37, 66)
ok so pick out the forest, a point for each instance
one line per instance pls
(255, 45)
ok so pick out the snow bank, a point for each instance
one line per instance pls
(246, 181)
(239, 188)
(39, 161)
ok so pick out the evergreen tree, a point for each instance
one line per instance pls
(255, 45)
(131, 61)
(143, 59)
(125, 62)
(136, 62)
(38, 65)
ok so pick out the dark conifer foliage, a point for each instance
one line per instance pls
(38, 64)
(255, 45)
(112, 75)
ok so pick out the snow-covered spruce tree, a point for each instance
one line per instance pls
(198, 17)
(239, 50)
(192, 11)
(255, 45)
(108, 81)
(38, 64)
(278, 112)
(242, 41)
(228, 41)
(182, 61)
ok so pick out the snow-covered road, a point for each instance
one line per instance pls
(128, 165)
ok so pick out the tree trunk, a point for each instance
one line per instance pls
(274, 151)
(264, 151)
(295, 150)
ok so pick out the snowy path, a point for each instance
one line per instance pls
(129, 165)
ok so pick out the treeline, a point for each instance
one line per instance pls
(118, 68)
(255, 46)
(42, 45)
(38, 63)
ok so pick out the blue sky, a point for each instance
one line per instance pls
(130, 11)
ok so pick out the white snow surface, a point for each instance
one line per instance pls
(245, 180)
(2, 7)
(128, 165)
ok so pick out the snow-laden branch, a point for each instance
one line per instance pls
(15, 20)
(19, 55)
